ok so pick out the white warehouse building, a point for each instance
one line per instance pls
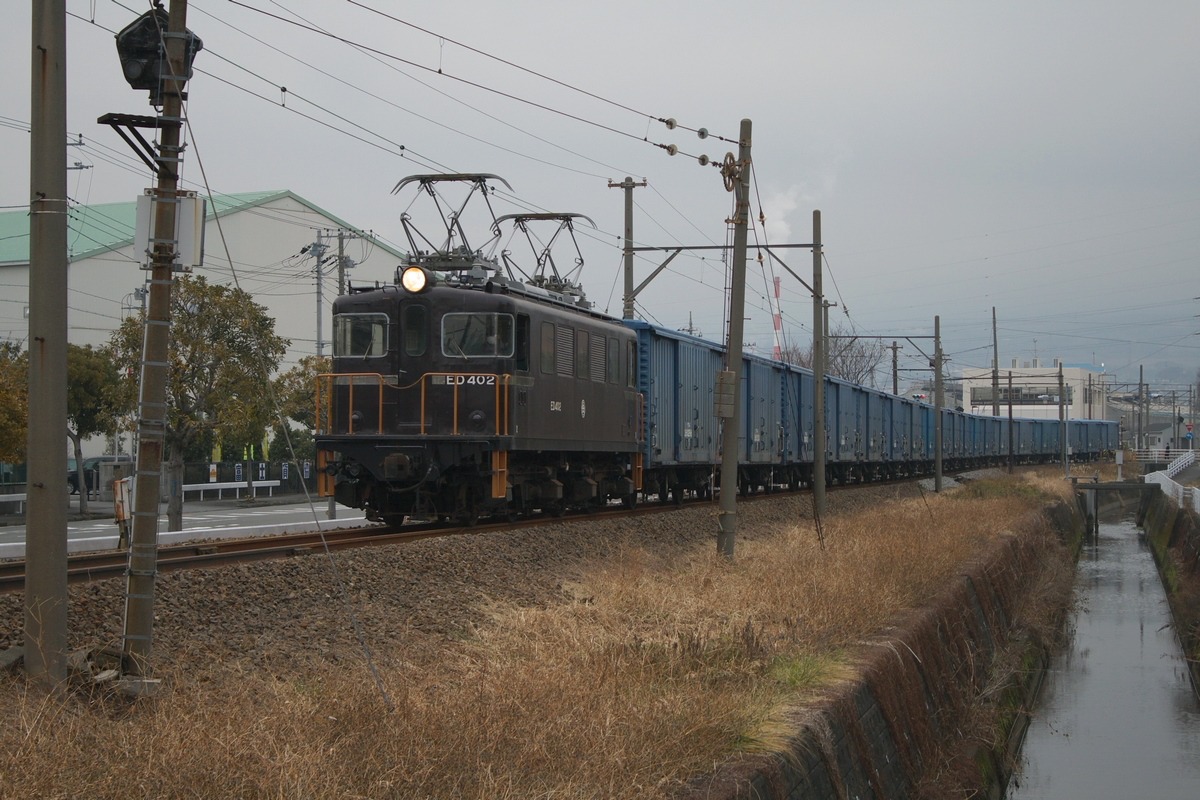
(268, 236)
(1035, 390)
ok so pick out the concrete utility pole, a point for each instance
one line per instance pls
(1011, 431)
(895, 368)
(818, 445)
(995, 368)
(727, 518)
(1062, 420)
(938, 402)
(143, 550)
(46, 517)
(628, 185)
(341, 262)
(318, 252)
(1137, 413)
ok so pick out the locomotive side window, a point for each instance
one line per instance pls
(477, 335)
(631, 365)
(547, 354)
(415, 321)
(360, 335)
(614, 361)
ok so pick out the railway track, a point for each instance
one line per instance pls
(86, 567)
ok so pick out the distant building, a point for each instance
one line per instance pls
(267, 235)
(1035, 390)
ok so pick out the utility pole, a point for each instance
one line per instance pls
(995, 368)
(143, 551)
(1062, 421)
(818, 448)
(939, 401)
(341, 262)
(628, 185)
(895, 367)
(727, 518)
(1143, 399)
(45, 608)
(318, 251)
(1011, 431)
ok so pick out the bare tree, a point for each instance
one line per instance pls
(850, 357)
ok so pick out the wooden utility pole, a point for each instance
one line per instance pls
(46, 515)
(727, 518)
(628, 185)
(143, 551)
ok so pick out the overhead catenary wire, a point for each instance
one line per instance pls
(393, 149)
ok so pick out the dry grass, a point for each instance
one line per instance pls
(653, 673)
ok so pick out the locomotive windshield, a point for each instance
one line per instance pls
(477, 335)
(360, 335)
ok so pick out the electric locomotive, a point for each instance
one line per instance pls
(460, 391)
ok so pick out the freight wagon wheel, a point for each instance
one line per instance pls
(630, 500)
(555, 509)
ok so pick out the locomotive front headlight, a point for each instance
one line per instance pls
(415, 279)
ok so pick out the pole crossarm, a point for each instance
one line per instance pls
(144, 150)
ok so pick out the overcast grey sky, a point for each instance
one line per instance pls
(1039, 157)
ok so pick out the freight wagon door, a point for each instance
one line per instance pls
(760, 432)
(696, 428)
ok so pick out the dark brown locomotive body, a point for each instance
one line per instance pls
(463, 400)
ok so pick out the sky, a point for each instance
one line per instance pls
(1039, 158)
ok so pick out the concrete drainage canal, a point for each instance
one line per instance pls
(1118, 716)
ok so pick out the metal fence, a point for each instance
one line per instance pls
(1184, 496)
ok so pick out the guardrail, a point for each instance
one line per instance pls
(18, 499)
(1144, 454)
(236, 486)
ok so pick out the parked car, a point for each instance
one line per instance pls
(91, 470)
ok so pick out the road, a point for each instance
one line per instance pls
(207, 519)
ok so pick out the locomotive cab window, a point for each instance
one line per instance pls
(360, 335)
(477, 335)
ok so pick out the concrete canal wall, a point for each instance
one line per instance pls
(916, 710)
(1174, 537)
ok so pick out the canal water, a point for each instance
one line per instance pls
(1117, 717)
